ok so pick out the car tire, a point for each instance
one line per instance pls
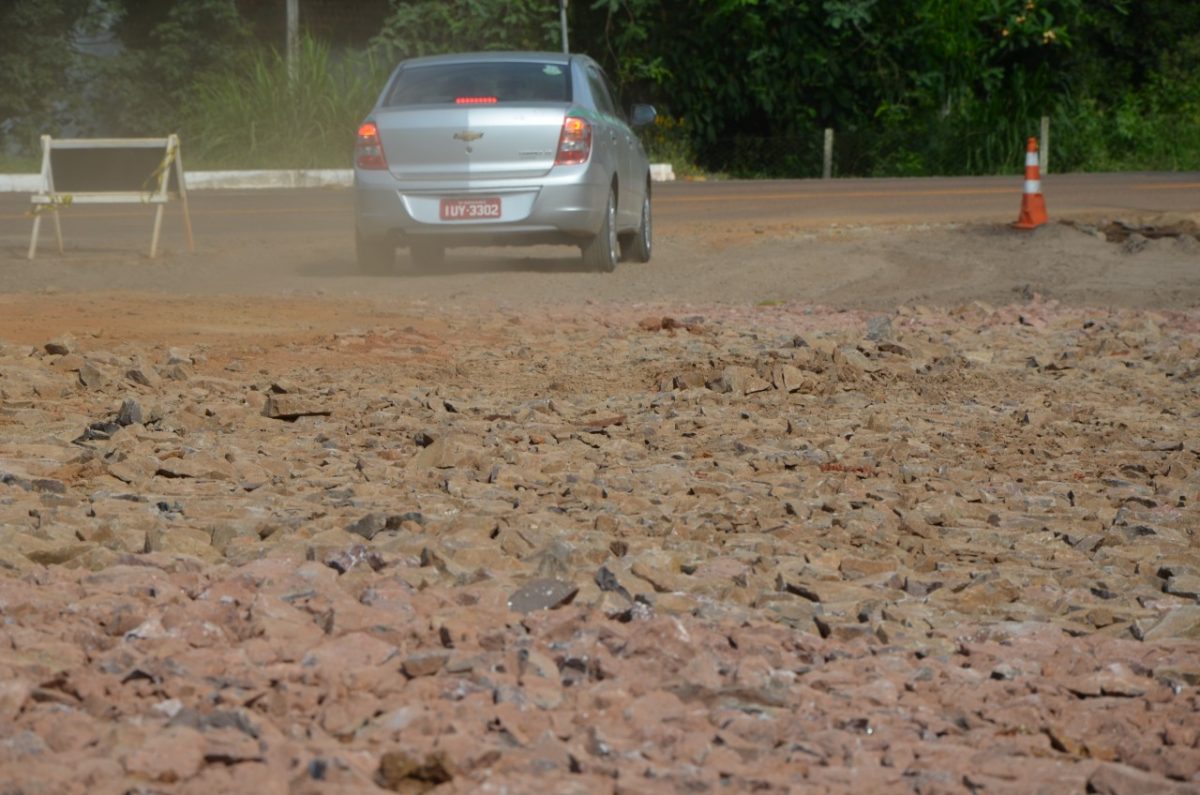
(601, 252)
(638, 246)
(427, 256)
(376, 255)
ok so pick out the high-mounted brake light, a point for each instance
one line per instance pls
(575, 142)
(474, 100)
(368, 149)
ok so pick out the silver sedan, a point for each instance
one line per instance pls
(501, 149)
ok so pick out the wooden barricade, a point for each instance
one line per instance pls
(110, 171)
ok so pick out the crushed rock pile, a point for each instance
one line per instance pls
(597, 549)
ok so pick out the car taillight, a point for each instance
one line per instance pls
(474, 100)
(368, 149)
(575, 143)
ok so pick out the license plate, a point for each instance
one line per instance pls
(470, 209)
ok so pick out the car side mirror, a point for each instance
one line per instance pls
(643, 115)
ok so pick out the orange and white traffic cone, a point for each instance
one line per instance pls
(1033, 204)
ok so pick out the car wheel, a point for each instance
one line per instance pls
(638, 246)
(601, 252)
(427, 256)
(376, 255)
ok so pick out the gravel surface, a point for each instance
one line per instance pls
(804, 513)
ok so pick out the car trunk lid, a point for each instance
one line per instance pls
(469, 142)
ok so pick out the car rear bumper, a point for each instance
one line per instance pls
(565, 208)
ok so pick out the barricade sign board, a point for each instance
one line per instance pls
(110, 171)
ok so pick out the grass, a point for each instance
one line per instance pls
(10, 164)
(256, 117)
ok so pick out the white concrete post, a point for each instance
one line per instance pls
(827, 170)
(1044, 147)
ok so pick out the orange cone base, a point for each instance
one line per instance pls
(1033, 212)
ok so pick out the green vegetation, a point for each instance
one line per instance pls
(669, 140)
(432, 27)
(257, 117)
(21, 164)
(916, 87)
(35, 38)
(169, 48)
(744, 87)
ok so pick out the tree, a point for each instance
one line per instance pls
(429, 27)
(164, 49)
(901, 80)
(37, 53)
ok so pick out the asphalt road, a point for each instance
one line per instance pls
(930, 200)
(252, 217)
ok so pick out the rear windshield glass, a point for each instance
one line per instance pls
(481, 83)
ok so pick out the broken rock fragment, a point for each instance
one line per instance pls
(288, 406)
(542, 594)
(368, 526)
(400, 772)
(60, 346)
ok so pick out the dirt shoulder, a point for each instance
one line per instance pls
(918, 246)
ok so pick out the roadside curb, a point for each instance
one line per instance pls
(259, 179)
(20, 183)
(297, 178)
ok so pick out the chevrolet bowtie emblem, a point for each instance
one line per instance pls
(468, 136)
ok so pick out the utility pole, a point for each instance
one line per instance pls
(293, 37)
(562, 21)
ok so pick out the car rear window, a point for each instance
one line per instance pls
(485, 82)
